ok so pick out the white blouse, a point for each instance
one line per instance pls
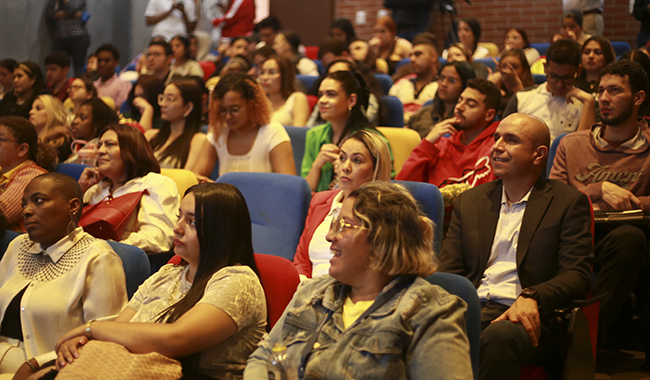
(319, 248)
(152, 229)
(78, 279)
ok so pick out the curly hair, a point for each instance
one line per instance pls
(399, 234)
(257, 104)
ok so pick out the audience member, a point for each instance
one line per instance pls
(21, 159)
(49, 117)
(90, 120)
(343, 97)
(608, 163)
(572, 28)
(212, 306)
(638, 56)
(241, 138)
(363, 157)
(239, 19)
(70, 32)
(81, 89)
(456, 52)
(525, 244)
(592, 14)
(28, 84)
(361, 53)
(332, 49)
(259, 56)
(179, 141)
(288, 106)
(512, 75)
(183, 65)
(126, 164)
(452, 80)
(142, 103)
(55, 277)
(91, 67)
(416, 89)
(381, 245)
(238, 45)
(386, 45)
(268, 30)
(563, 107)
(597, 53)
(372, 110)
(159, 58)
(411, 18)
(641, 12)
(286, 44)
(469, 34)
(171, 18)
(57, 65)
(109, 83)
(343, 30)
(464, 156)
(517, 38)
(7, 67)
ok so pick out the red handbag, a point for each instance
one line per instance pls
(107, 219)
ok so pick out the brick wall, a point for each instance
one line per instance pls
(540, 18)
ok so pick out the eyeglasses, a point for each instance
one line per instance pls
(338, 225)
(5, 140)
(155, 54)
(568, 79)
(232, 111)
(75, 88)
(162, 99)
(450, 80)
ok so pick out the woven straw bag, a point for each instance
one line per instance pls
(111, 361)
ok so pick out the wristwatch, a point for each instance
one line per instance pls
(531, 293)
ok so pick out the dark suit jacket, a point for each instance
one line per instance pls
(554, 252)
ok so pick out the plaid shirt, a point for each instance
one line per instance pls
(69, 26)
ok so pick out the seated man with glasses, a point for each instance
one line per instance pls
(564, 107)
(457, 150)
(416, 89)
(158, 60)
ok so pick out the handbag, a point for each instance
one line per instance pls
(107, 219)
(106, 360)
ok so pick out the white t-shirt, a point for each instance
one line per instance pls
(284, 115)
(319, 248)
(258, 158)
(174, 24)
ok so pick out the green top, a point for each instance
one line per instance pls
(316, 138)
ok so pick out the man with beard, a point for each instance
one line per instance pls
(457, 150)
(416, 89)
(611, 164)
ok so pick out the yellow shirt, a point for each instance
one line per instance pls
(352, 311)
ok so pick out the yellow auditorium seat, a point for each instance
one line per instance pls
(402, 142)
(184, 178)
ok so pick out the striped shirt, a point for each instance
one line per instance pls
(12, 186)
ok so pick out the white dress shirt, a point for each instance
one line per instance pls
(78, 279)
(500, 282)
(152, 230)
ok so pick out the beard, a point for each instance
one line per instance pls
(622, 117)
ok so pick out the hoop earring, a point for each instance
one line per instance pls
(73, 227)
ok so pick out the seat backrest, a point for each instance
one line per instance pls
(208, 68)
(385, 81)
(539, 79)
(402, 62)
(298, 136)
(184, 178)
(541, 47)
(307, 80)
(552, 151)
(463, 288)
(487, 62)
(4, 242)
(278, 205)
(402, 142)
(136, 265)
(73, 170)
(430, 200)
(311, 52)
(492, 48)
(395, 112)
(620, 47)
(279, 279)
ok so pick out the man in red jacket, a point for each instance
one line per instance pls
(457, 150)
(239, 20)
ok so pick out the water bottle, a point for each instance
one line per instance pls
(87, 156)
(280, 365)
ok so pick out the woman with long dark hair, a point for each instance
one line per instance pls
(7, 67)
(597, 52)
(142, 103)
(342, 102)
(179, 141)
(209, 311)
(277, 76)
(28, 84)
(183, 65)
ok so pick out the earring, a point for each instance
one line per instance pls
(71, 224)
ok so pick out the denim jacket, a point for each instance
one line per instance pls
(418, 334)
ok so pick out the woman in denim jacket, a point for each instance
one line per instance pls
(375, 317)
